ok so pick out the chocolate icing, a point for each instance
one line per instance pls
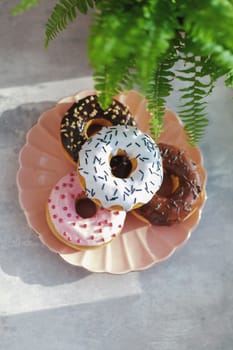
(73, 124)
(85, 207)
(169, 206)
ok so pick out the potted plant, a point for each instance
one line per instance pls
(139, 43)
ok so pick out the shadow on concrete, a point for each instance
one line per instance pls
(97, 325)
(21, 252)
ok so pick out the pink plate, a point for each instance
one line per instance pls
(43, 163)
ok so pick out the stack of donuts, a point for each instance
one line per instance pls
(117, 169)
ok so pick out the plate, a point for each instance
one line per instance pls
(42, 163)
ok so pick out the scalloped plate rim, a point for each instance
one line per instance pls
(63, 255)
(153, 263)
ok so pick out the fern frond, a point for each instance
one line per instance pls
(109, 82)
(192, 111)
(229, 79)
(64, 12)
(130, 46)
(25, 5)
(129, 40)
(158, 90)
(210, 27)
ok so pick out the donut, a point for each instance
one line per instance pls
(76, 220)
(181, 188)
(120, 167)
(84, 118)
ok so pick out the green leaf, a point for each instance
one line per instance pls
(25, 5)
(185, 78)
(193, 111)
(63, 13)
(187, 70)
(82, 5)
(229, 79)
(137, 43)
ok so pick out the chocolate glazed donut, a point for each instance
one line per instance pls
(84, 118)
(181, 187)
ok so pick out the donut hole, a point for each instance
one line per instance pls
(85, 207)
(95, 125)
(169, 185)
(121, 165)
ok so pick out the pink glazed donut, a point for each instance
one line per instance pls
(76, 220)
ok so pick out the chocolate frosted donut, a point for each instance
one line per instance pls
(179, 192)
(85, 118)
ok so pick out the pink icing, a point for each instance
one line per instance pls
(94, 231)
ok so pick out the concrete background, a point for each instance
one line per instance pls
(183, 303)
(24, 60)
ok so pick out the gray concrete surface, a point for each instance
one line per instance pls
(183, 303)
(24, 60)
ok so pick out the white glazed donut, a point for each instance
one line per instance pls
(120, 167)
(76, 220)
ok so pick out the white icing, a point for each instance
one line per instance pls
(140, 186)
